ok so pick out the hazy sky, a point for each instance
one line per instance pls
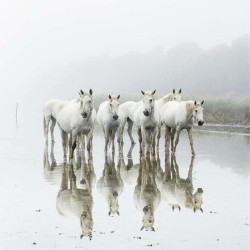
(38, 35)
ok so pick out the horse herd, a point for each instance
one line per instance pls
(76, 118)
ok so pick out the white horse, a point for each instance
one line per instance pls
(146, 118)
(147, 196)
(127, 110)
(110, 185)
(109, 117)
(75, 117)
(178, 192)
(76, 202)
(174, 96)
(177, 116)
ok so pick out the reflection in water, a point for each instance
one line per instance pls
(178, 192)
(49, 164)
(148, 177)
(129, 172)
(77, 202)
(147, 196)
(110, 185)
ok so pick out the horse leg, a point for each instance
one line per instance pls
(120, 133)
(89, 140)
(143, 142)
(106, 135)
(64, 136)
(153, 140)
(113, 140)
(140, 138)
(158, 136)
(190, 171)
(46, 121)
(72, 146)
(173, 131)
(191, 140)
(167, 138)
(52, 127)
(178, 130)
(130, 126)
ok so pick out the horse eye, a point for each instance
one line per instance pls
(151, 100)
(196, 111)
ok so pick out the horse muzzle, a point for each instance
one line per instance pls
(200, 123)
(115, 117)
(146, 113)
(84, 115)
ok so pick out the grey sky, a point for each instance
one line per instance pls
(37, 35)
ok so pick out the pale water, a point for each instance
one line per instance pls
(30, 220)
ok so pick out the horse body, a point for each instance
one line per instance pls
(177, 116)
(146, 118)
(75, 117)
(127, 110)
(110, 118)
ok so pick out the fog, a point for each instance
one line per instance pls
(53, 48)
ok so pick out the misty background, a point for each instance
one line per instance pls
(51, 49)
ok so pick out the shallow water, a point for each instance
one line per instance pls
(30, 216)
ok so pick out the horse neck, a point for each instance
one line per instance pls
(189, 110)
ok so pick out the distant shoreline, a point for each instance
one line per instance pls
(231, 128)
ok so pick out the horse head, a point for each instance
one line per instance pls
(198, 112)
(148, 102)
(176, 96)
(148, 218)
(86, 103)
(113, 203)
(114, 106)
(86, 225)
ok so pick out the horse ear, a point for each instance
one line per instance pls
(118, 213)
(143, 92)
(81, 236)
(173, 208)
(142, 228)
(109, 213)
(90, 237)
(81, 92)
(195, 103)
(179, 91)
(194, 209)
(202, 102)
(118, 97)
(110, 97)
(201, 210)
(153, 229)
(90, 92)
(153, 92)
(173, 91)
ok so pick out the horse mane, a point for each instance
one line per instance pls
(79, 98)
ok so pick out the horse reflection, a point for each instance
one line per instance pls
(110, 185)
(147, 196)
(77, 202)
(130, 171)
(49, 161)
(178, 192)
